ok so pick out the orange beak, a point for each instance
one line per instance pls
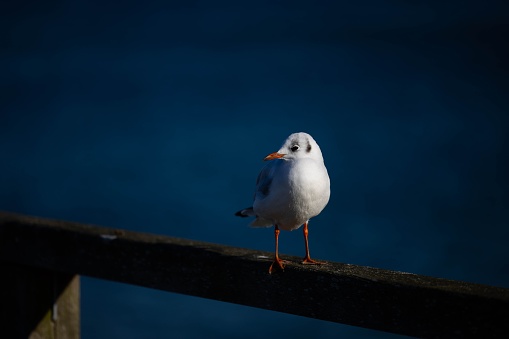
(273, 156)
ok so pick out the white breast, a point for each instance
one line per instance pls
(299, 191)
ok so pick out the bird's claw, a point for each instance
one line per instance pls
(277, 264)
(309, 261)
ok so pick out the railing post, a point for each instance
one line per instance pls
(38, 303)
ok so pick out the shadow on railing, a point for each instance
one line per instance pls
(54, 252)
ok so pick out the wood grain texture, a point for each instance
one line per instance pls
(368, 297)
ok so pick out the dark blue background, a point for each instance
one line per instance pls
(154, 116)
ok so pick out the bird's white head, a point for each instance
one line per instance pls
(297, 146)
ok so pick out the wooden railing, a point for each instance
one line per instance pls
(41, 260)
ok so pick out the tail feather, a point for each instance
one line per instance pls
(258, 222)
(246, 212)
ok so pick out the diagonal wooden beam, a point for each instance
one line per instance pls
(368, 297)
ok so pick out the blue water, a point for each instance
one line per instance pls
(154, 117)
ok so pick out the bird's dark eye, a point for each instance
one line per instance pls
(294, 148)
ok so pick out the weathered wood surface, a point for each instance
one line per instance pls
(38, 303)
(362, 296)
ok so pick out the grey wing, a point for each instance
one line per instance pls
(264, 180)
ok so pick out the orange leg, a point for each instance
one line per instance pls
(307, 258)
(278, 263)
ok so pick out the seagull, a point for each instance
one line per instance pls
(291, 189)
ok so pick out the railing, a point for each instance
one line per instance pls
(41, 260)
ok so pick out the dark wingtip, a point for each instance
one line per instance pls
(244, 213)
(239, 214)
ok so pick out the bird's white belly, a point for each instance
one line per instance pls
(295, 196)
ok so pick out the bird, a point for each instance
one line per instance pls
(292, 188)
